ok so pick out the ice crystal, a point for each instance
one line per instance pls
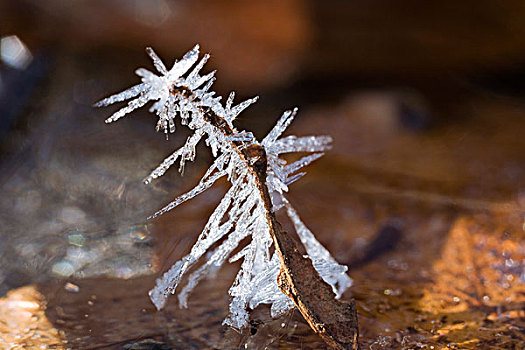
(241, 213)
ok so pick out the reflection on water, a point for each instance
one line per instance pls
(73, 204)
(14, 52)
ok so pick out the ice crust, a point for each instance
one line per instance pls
(241, 212)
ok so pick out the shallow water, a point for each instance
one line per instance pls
(431, 225)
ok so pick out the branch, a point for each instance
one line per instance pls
(254, 170)
(335, 321)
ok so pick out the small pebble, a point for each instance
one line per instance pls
(72, 288)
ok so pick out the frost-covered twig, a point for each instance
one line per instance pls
(272, 270)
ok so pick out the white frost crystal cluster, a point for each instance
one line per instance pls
(241, 213)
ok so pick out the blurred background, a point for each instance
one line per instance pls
(423, 194)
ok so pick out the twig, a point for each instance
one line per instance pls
(258, 178)
(335, 321)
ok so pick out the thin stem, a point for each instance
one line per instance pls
(335, 321)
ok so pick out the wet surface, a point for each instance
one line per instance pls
(435, 262)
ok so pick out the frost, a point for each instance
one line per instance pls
(183, 92)
(333, 273)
